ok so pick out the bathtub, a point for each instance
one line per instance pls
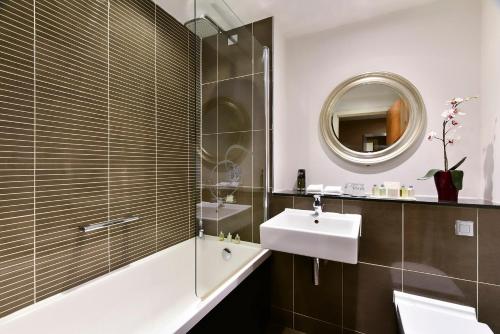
(162, 293)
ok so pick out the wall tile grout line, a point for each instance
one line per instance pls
(108, 230)
(156, 135)
(34, 153)
(402, 246)
(252, 134)
(477, 263)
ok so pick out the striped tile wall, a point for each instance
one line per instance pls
(98, 121)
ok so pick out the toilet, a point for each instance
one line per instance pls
(421, 315)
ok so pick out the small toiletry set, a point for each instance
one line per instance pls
(230, 238)
(393, 190)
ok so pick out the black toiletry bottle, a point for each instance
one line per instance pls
(301, 180)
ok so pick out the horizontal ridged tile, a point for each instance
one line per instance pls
(71, 176)
(132, 129)
(16, 156)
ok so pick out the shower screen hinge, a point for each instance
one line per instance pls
(232, 40)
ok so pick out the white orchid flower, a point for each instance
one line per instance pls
(431, 135)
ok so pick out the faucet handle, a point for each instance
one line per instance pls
(317, 200)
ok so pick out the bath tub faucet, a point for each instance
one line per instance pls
(318, 208)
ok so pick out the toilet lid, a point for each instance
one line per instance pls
(427, 321)
(419, 315)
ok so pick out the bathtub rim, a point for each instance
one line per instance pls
(199, 310)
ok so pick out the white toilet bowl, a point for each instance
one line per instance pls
(420, 315)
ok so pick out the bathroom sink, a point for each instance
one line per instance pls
(330, 236)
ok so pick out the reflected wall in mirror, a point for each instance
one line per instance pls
(372, 117)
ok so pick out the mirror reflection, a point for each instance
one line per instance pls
(370, 117)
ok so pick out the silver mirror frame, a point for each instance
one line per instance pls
(416, 123)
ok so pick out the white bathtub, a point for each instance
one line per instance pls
(153, 295)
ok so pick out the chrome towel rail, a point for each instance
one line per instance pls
(100, 226)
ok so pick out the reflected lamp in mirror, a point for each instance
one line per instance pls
(373, 117)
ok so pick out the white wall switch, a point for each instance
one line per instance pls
(464, 228)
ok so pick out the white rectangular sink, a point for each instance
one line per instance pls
(331, 236)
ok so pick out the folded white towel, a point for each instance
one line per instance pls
(333, 190)
(315, 189)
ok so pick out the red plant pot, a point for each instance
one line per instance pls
(445, 188)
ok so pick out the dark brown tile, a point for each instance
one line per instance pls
(281, 319)
(489, 308)
(489, 252)
(441, 288)
(278, 204)
(314, 326)
(324, 301)
(381, 229)
(235, 60)
(235, 159)
(368, 298)
(259, 158)
(209, 108)
(259, 111)
(235, 105)
(282, 280)
(431, 245)
(258, 213)
(263, 36)
(209, 59)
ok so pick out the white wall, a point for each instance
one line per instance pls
(435, 46)
(490, 99)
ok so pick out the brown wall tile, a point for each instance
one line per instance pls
(489, 307)
(132, 153)
(314, 326)
(72, 175)
(282, 280)
(235, 60)
(16, 156)
(431, 245)
(209, 116)
(235, 105)
(172, 137)
(489, 252)
(368, 296)
(324, 301)
(263, 34)
(381, 238)
(442, 288)
(278, 204)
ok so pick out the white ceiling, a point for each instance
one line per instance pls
(292, 17)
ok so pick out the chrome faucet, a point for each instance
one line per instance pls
(201, 231)
(318, 208)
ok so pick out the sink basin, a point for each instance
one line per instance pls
(331, 236)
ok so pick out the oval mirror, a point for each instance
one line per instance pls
(372, 118)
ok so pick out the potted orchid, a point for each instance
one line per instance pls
(448, 180)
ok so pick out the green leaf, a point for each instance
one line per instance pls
(458, 164)
(457, 177)
(429, 174)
